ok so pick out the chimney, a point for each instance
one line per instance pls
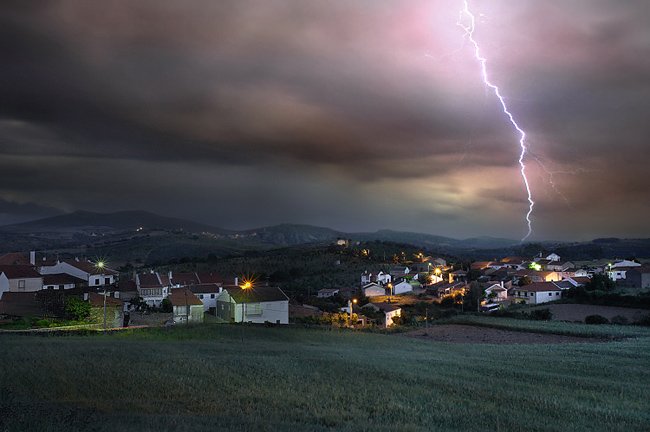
(501, 284)
(236, 281)
(170, 277)
(85, 296)
(32, 257)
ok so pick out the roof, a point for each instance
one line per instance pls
(205, 288)
(530, 272)
(329, 290)
(185, 278)
(20, 304)
(183, 297)
(89, 267)
(583, 279)
(97, 300)
(149, 280)
(127, 285)
(256, 294)
(14, 258)
(210, 278)
(539, 287)
(19, 271)
(61, 279)
(459, 272)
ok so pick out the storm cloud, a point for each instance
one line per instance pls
(357, 115)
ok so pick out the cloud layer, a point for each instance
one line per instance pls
(353, 114)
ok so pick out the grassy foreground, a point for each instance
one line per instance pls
(221, 377)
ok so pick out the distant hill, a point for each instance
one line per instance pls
(292, 234)
(84, 221)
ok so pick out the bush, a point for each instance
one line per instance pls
(541, 315)
(596, 319)
(166, 306)
(77, 309)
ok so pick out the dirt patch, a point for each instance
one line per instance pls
(457, 333)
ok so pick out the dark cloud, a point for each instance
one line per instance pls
(163, 103)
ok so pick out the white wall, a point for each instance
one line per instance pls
(263, 312)
(402, 287)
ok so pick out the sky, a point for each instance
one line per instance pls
(352, 114)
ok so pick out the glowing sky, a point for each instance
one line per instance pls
(356, 115)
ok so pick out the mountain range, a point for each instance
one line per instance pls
(148, 236)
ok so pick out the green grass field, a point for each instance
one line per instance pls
(222, 377)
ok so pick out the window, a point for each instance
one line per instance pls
(557, 293)
(107, 281)
(21, 285)
(254, 309)
(96, 281)
(211, 295)
(61, 286)
(201, 296)
(532, 294)
(550, 294)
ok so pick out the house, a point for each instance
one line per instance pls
(114, 309)
(558, 266)
(639, 277)
(328, 292)
(373, 290)
(184, 279)
(22, 304)
(151, 288)
(539, 292)
(207, 294)
(480, 265)
(94, 273)
(255, 305)
(399, 271)
(186, 307)
(15, 258)
(445, 289)
(539, 276)
(625, 263)
(380, 278)
(577, 281)
(497, 292)
(552, 257)
(402, 287)
(19, 278)
(62, 281)
(457, 276)
(390, 311)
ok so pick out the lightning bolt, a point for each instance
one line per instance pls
(469, 33)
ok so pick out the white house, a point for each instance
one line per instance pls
(19, 278)
(62, 281)
(380, 278)
(373, 290)
(185, 306)
(151, 288)
(553, 257)
(625, 263)
(539, 292)
(95, 274)
(328, 292)
(497, 291)
(402, 287)
(390, 311)
(253, 305)
(207, 294)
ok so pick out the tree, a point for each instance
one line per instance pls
(166, 306)
(474, 296)
(77, 309)
(526, 280)
(600, 282)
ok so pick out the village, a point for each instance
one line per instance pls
(40, 291)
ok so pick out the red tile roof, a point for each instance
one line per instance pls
(14, 258)
(61, 279)
(149, 280)
(90, 267)
(539, 287)
(19, 271)
(182, 297)
(97, 300)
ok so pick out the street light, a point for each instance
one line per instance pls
(99, 265)
(246, 285)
